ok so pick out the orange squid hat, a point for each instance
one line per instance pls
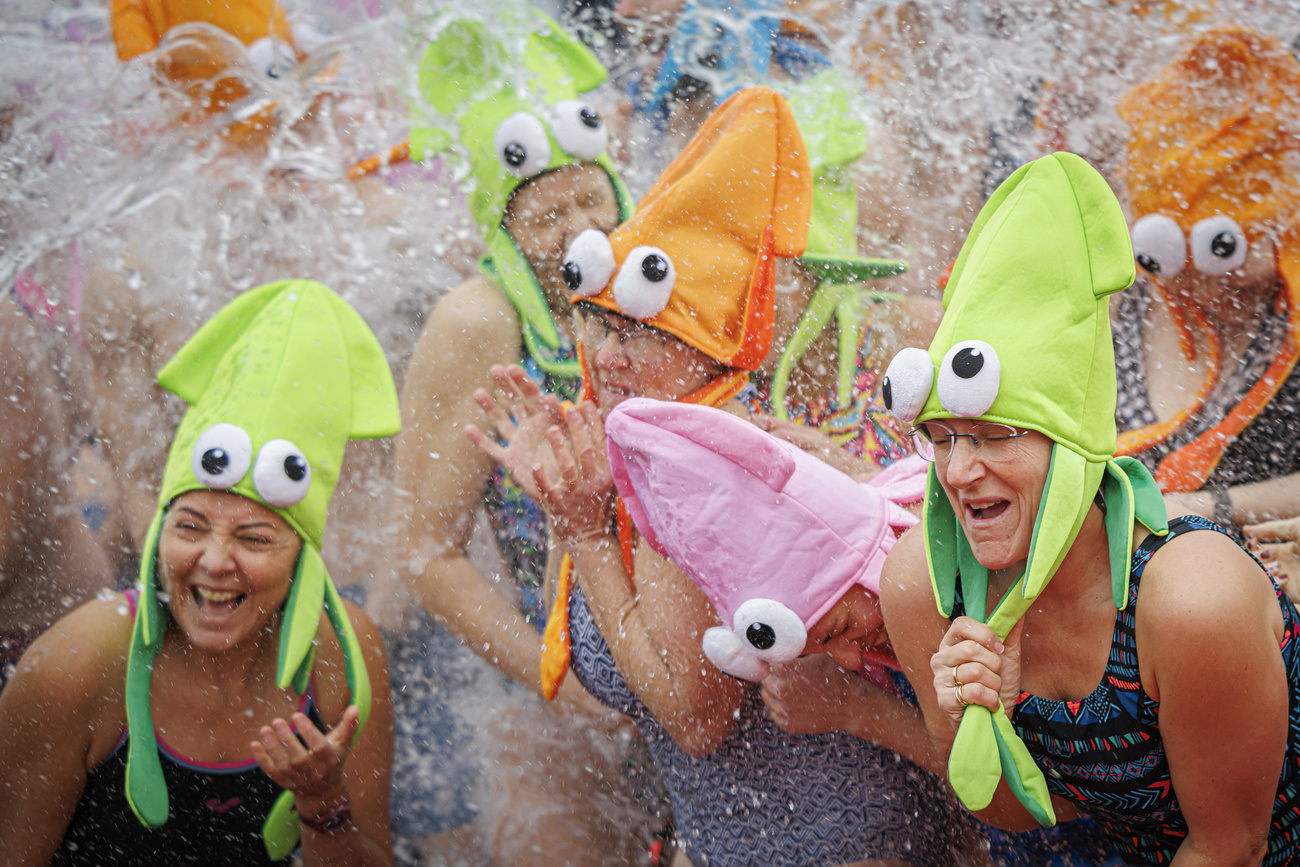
(698, 259)
(1217, 135)
(139, 25)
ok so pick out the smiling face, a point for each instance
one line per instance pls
(628, 359)
(996, 500)
(227, 563)
(854, 625)
(546, 214)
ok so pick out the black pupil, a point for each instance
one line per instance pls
(589, 118)
(515, 154)
(968, 362)
(654, 268)
(572, 275)
(214, 461)
(295, 468)
(1223, 245)
(1148, 263)
(887, 393)
(761, 635)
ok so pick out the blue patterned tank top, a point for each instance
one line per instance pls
(769, 797)
(1105, 754)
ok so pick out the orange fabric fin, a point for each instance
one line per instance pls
(760, 308)
(555, 640)
(371, 164)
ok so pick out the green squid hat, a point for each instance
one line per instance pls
(278, 382)
(1025, 340)
(512, 87)
(830, 119)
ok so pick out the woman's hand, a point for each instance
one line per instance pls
(577, 491)
(973, 667)
(1277, 545)
(813, 695)
(525, 434)
(817, 444)
(314, 773)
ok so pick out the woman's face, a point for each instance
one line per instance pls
(227, 563)
(548, 212)
(996, 495)
(853, 626)
(628, 359)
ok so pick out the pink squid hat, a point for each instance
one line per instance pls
(773, 536)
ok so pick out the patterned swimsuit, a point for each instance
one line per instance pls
(768, 797)
(1104, 752)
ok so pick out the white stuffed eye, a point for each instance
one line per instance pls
(579, 130)
(271, 57)
(968, 378)
(281, 475)
(644, 282)
(589, 263)
(731, 655)
(1159, 246)
(771, 630)
(907, 383)
(221, 456)
(1218, 245)
(522, 145)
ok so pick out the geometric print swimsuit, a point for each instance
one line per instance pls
(1105, 754)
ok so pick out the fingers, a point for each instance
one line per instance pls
(487, 444)
(1273, 531)
(500, 418)
(341, 737)
(970, 629)
(563, 449)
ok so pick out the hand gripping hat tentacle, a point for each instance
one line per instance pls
(773, 536)
(277, 382)
(1044, 254)
(698, 259)
(512, 83)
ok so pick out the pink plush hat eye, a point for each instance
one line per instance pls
(773, 632)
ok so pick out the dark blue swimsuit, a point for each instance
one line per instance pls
(1105, 754)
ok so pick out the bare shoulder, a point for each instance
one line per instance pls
(905, 577)
(78, 666)
(472, 317)
(1199, 583)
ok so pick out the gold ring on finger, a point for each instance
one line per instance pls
(956, 688)
(956, 681)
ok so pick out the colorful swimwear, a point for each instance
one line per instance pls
(1104, 752)
(769, 797)
(1268, 447)
(860, 425)
(217, 811)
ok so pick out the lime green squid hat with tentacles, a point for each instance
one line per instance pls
(278, 382)
(1025, 340)
(512, 86)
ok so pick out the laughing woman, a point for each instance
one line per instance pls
(158, 727)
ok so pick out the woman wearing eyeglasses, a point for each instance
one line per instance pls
(1082, 651)
(677, 305)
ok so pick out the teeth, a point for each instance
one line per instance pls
(214, 596)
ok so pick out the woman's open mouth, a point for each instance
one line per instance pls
(988, 511)
(216, 603)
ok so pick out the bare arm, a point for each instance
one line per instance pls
(52, 726)
(1208, 633)
(654, 625)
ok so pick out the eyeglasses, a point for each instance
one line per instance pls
(597, 326)
(991, 442)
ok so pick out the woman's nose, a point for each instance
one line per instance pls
(609, 353)
(218, 556)
(965, 464)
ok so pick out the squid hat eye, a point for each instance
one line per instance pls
(1159, 246)
(907, 383)
(579, 130)
(221, 456)
(271, 57)
(281, 475)
(589, 263)
(645, 282)
(1218, 245)
(522, 145)
(968, 378)
(771, 631)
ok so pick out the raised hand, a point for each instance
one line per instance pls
(524, 434)
(314, 772)
(577, 492)
(813, 695)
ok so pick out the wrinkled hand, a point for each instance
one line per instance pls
(314, 773)
(812, 695)
(989, 671)
(819, 445)
(1277, 545)
(578, 491)
(524, 434)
